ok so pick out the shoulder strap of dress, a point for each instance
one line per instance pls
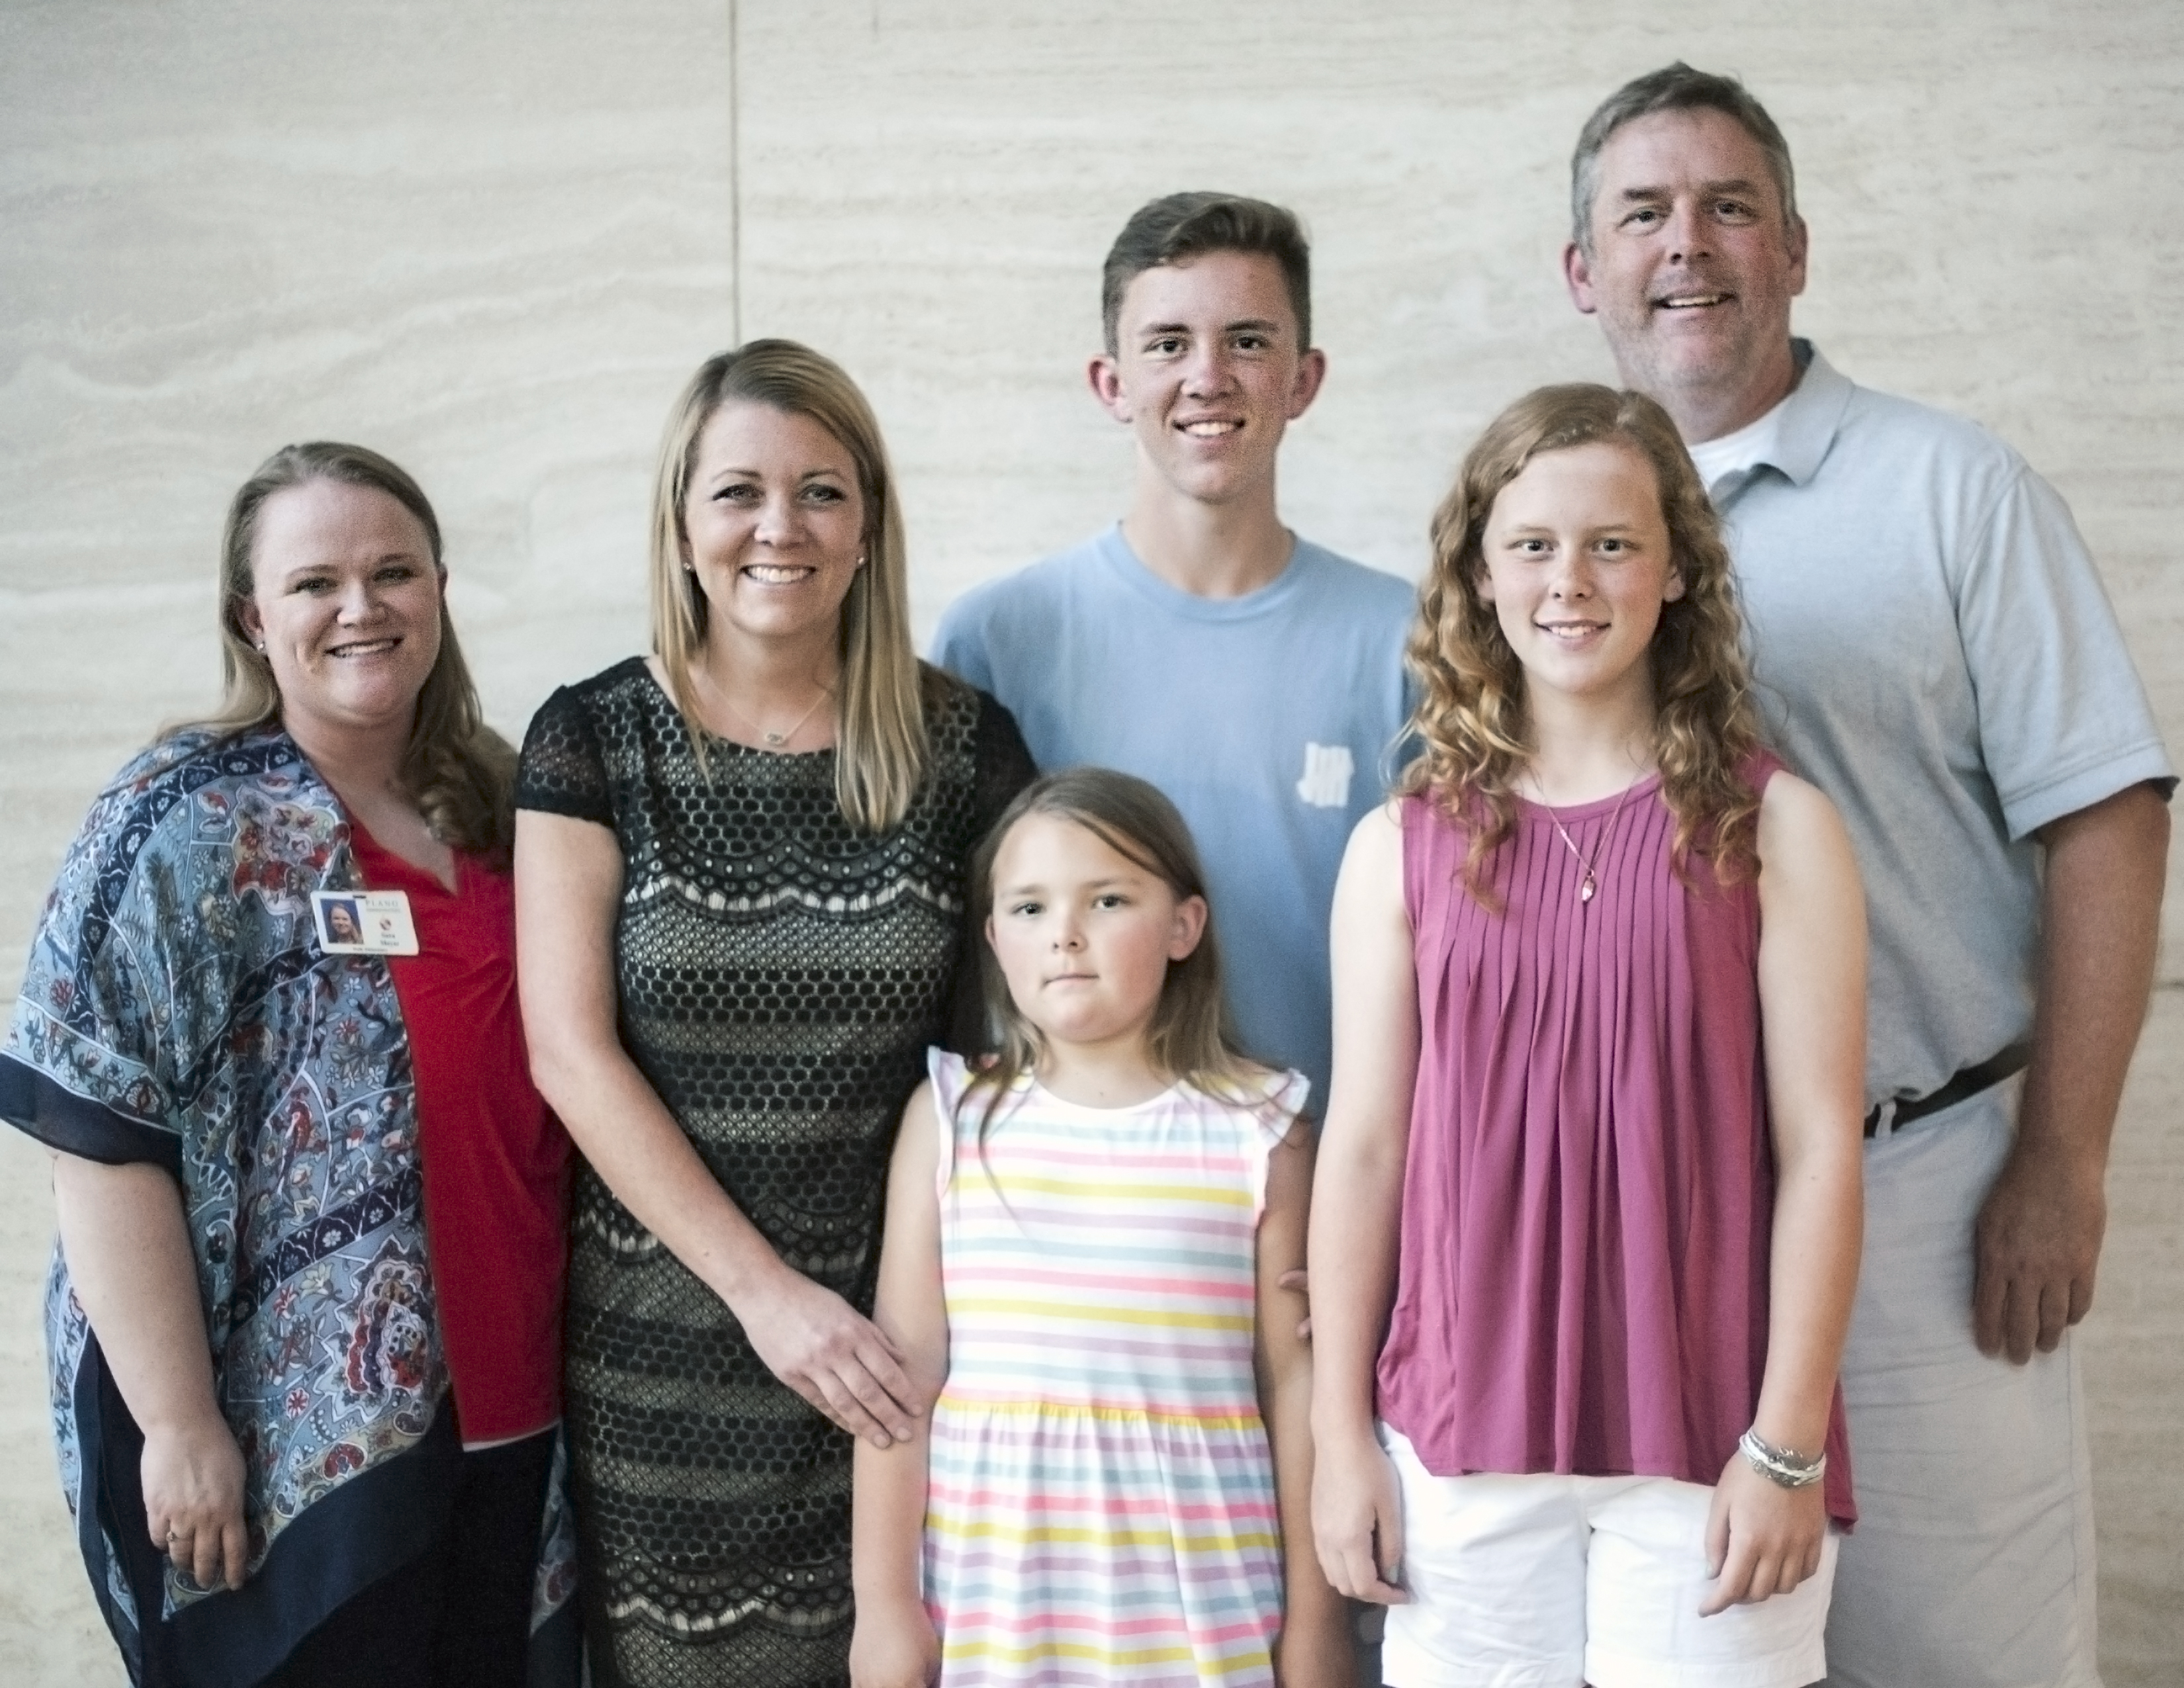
(1434, 847)
(950, 1077)
(1279, 1101)
(1272, 1102)
(1289, 1094)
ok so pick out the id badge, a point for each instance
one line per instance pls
(363, 923)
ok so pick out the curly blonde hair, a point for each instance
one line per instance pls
(1471, 721)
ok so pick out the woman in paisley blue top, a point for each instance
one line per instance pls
(251, 1343)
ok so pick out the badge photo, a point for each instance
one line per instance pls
(363, 923)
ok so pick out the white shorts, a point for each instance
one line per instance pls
(1549, 1582)
(1972, 1563)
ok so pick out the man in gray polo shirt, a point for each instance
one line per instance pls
(1932, 647)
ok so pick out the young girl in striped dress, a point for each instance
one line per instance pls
(1586, 1230)
(1082, 1244)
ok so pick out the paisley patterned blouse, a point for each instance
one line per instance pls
(177, 1009)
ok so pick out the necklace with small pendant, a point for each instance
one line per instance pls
(1589, 884)
(774, 740)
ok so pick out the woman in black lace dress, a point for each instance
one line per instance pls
(740, 889)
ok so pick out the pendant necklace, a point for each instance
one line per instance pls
(774, 740)
(1590, 883)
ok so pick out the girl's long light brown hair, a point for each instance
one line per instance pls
(1191, 1037)
(879, 717)
(1471, 719)
(459, 772)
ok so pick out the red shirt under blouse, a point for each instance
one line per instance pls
(497, 1160)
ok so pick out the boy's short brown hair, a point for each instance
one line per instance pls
(1181, 226)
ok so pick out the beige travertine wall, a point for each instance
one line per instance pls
(492, 239)
(488, 239)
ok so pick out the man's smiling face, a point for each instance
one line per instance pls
(1207, 371)
(1692, 267)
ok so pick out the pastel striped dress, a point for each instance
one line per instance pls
(1101, 1507)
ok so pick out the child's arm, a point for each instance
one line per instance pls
(1357, 1206)
(1763, 1539)
(1316, 1649)
(893, 1645)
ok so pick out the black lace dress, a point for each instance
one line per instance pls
(780, 976)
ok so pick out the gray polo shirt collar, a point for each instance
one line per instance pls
(1805, 426)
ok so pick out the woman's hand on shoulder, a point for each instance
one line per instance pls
(893, 1646)
(1762, 1539)
(193, 1476)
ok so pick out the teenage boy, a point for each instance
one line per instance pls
(1253, 676)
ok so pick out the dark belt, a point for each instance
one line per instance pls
(1968, 1083)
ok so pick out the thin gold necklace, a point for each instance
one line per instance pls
(774, 740)
(1590, 883)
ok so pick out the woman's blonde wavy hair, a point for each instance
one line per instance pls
(1471, 719)
(459, 772)
(879, 724)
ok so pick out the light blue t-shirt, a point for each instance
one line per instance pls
(1270, 721)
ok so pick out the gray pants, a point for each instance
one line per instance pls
(1972, 1563)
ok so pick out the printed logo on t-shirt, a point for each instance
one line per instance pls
(1327, 771)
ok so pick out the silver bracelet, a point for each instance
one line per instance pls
(1784, 1466)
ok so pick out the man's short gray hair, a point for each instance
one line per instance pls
(1676, 88)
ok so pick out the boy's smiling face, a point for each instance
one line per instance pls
(1208, 371)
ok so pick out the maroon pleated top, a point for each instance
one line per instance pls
(1588, 1195)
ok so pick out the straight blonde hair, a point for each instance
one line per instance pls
(879, 730)
(461, 773)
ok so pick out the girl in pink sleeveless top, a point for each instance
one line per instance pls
(1586, 1223)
